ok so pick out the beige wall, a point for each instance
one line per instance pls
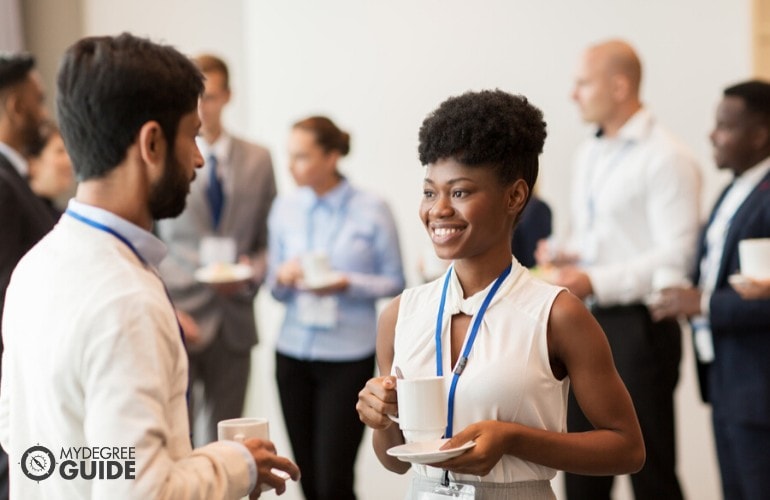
(50, 26)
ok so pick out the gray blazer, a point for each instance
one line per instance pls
(249, 187)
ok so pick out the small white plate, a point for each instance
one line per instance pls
(427, 452)
(224, 273)
(330, 279)
(738, 279)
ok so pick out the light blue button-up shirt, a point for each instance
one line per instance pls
(357, 231)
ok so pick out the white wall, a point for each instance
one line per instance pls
(377, 68)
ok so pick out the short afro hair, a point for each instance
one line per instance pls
(755, 95)
(491, 128)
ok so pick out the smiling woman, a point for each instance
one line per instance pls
(506, 375)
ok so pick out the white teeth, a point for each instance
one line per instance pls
(444, 231)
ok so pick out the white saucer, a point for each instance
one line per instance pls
(738, 279)
(330, 279)
(224, 273)
(427, 452)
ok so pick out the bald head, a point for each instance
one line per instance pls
(618, 58)
(607, 85)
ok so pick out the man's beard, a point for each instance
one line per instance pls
(169, 195)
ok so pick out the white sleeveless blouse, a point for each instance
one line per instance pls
(508, 376)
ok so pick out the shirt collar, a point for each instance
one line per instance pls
(752, 176)
(456, 303)
(335, 199)
(220, 148)
(150, 248)
(636, 128)
(18, 161)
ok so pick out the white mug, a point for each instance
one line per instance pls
(422, 408)
(754, 256)
(241, 429)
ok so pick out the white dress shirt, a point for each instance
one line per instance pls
(634, 209)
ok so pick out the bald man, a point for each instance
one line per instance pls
(634, 210)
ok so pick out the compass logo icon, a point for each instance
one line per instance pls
(38, 463)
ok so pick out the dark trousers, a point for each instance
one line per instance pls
(744, 459)
(218, 379)
(319, 406)
(647, 357)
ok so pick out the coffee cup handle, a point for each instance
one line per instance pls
(395, 419)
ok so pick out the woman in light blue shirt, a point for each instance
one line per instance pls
(333, 252)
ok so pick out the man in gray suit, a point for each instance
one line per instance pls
(227, 207)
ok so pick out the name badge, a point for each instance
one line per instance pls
(436, 491)
(317, 311)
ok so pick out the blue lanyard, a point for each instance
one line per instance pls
(109, 230)
(468, 346)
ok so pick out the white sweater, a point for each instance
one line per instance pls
(93, 357)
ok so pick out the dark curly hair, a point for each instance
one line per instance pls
(489, 128)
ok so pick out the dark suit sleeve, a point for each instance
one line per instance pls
(10, 250)
(730, 312)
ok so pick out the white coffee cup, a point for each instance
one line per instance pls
(217, 250)
(662, 278)
(315, 269)
(241, 429)
(668, 277)
(422, 408)
(754, 257)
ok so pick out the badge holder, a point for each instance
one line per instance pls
(445, 489)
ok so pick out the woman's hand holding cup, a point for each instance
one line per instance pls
(376, 401)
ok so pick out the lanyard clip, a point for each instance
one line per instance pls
(460, 365)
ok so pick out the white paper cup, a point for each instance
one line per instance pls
(315, 268)
(754, 256)
(422, 408)
(668, 277)
(241, 429)
(217, 250)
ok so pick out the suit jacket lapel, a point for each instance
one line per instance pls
(734, 232)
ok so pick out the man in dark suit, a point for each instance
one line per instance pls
(24, 218)
(731, 334)
(228, 205)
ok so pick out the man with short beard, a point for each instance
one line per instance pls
(24, 218)
(96, 359)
